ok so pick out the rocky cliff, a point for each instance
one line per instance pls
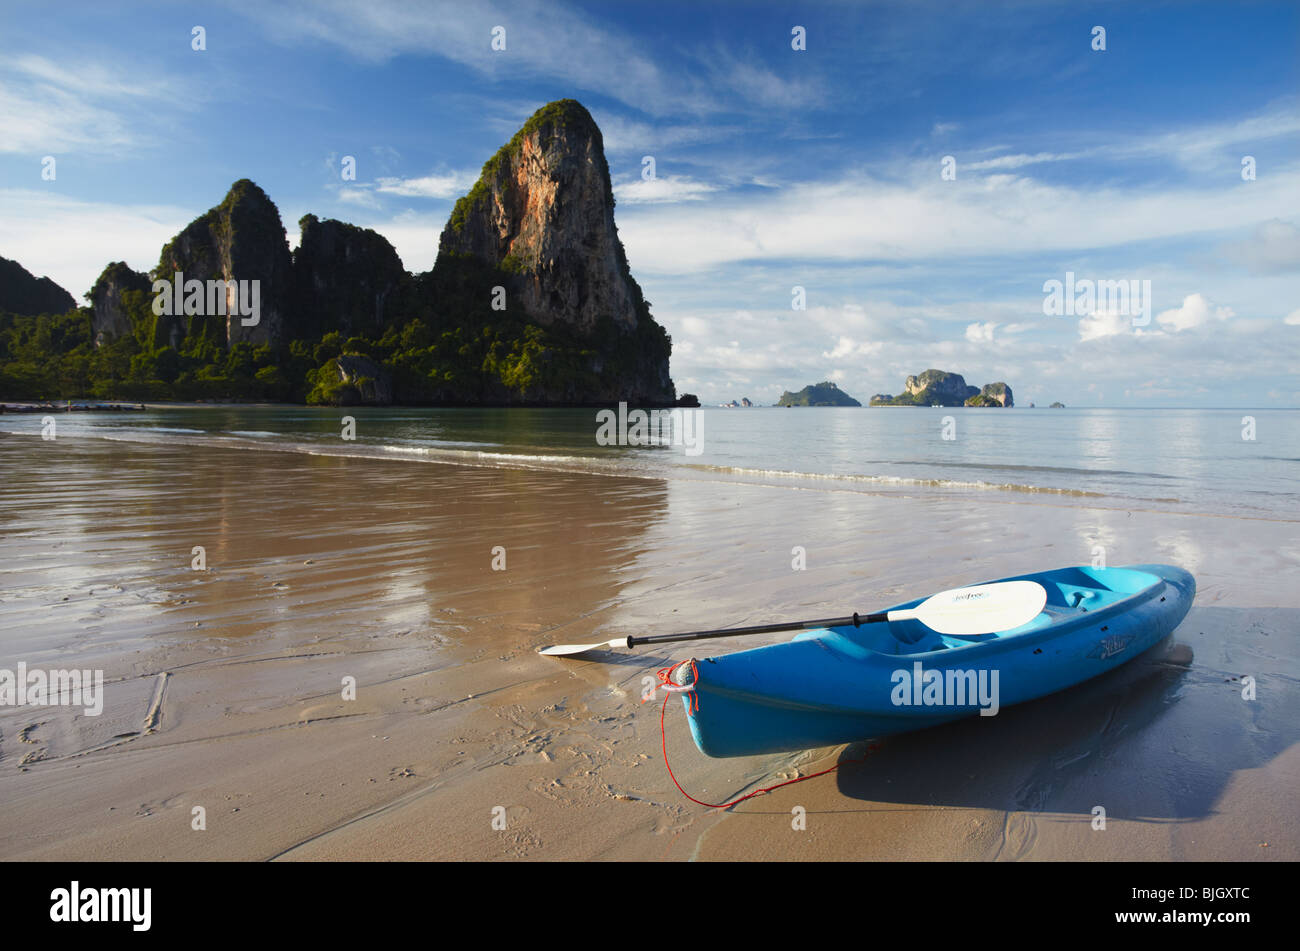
(22, 292)
(345, 277)
(541, 219)
(109, 315)
(341, 321)
(241, 239)
(940, 387)
(543, 211)
(992, 394)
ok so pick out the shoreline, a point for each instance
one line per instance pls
(109, 404)
(882, 487)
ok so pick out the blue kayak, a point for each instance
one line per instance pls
(842, 684)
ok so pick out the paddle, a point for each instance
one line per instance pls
(959, 612)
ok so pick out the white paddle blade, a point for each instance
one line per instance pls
(983, 608)
(560, 650)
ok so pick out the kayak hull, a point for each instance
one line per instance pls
(840, 685)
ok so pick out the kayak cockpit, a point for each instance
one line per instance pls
(1071, 592)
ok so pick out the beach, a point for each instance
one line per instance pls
(225, 688)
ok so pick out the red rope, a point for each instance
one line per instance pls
(664, 674)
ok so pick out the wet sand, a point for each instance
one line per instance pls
(224, 686)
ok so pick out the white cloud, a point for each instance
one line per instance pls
(1292, 318)
(775, 349)
(1195, 311)
(1191, 146)
(861, 217)
(47, 109)
(980, 333)
(89, 79)
(447, 185)
(413, 235)
(846, 347)
(1019, 160)
(760, 85)
(694, 326)
(1104, 324)
(353, 195)
(549, 42)
(71, 241)
(1272, 248)
(661, 190)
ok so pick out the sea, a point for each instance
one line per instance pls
(1230, 462)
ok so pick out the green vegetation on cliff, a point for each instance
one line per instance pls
(341, 320)
(428, 360)
(563, 113)
(452, 348)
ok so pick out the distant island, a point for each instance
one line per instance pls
(941, 388)
(744, 401)
(818, 394)
(530, 303)
(1057, 406)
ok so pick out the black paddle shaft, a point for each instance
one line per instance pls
(857, 620)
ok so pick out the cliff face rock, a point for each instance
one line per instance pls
(540, 220)
(242, 239)
(22, 292)
(543, 211)
(363, 381)
(108, 313)
(344, 277)
(937, 387)
(992, 394)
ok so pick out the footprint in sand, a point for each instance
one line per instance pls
(25, 734)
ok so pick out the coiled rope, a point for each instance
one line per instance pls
(665, 681)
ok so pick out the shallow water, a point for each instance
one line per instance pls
(1193, 460)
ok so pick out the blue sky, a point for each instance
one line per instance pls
(775, 168)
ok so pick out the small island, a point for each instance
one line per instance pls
(825, 393)
(1057, 406)
(993, 394)
(941, 388)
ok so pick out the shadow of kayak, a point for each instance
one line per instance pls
(1157, 739)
